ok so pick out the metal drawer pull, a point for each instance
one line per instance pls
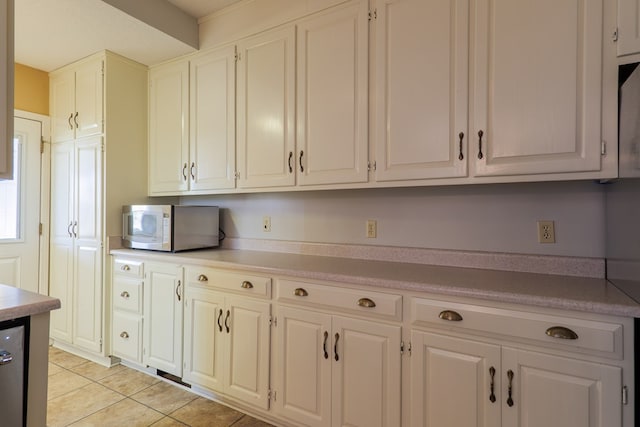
(125, 267)
(125, 294)
(70, 124)
(366, 302)
(290, 158)
(220, 320)
(480, 134)
(492, 395)
(226, 321)
(184, 171)
(324, 344)
(5, 357)
(124, 335)
(75, 120)
(193, 175)
(300, 292)
(178, 290)
(246, 285)
(450, 315)
(510, 389)
(461, 136)
(562, 333)
(203, 278)
(300, 161)
(335, 347)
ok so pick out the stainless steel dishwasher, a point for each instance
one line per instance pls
(13, 342)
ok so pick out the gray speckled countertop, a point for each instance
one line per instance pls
(595, 295)
(15, 303)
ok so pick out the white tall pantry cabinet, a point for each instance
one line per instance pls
(99, 121)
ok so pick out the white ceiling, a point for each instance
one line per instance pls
(53, 33)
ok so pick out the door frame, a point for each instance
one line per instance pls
(45, 193)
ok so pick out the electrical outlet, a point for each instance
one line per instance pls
(546, 232)
(372, 228)
(266, 224)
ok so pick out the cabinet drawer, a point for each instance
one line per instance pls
(246, 284)
(127, 294)
(127, 267)
(364, 302)
(556, 331)
(127, 331)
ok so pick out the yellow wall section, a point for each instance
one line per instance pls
(31, 90)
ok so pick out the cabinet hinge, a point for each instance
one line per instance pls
(41, 145)
(238, 57)
(271, 395)
(236, 175)
(409, 348)
(273, 321)
(603, 148)
(40, 229)
(373, 14)
(625, 395)
(401, 347)
(371, 166)
(614, 36)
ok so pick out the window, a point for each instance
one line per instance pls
(10, 200)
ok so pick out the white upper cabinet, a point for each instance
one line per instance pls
(332, 101)
(77, 100)
(628, 27)
(537, 86)
(169, 128)
(6, 88)
(266, 109)
(422, 71)
(212, 135)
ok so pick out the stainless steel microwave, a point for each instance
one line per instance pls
(170, 228)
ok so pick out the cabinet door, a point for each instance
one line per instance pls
(365, 374)
(61, 244)
(168, 128)
(89, 99)
(163, 317)
(266, 109)
(554, 391)
(628, 27)
(127, 336)
(62, 101)
(303, 366)
(204, 338)
(448, 374)
(537, 95)
(422, 72)
(332, 107)
(249, 333)
(212, 120)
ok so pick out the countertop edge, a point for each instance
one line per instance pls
(16, 303)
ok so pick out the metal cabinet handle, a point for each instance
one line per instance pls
(125, 295)
(69, 229)
(451, 316)
(480, 135)
(324, 345)
(203, 278)
(124, 335)
(492, 395)
(75, 120)
(69, 120)
(510, 388)
(192, 170)
(5, 357)
(219, 320)
(125, 267)
(300, 292)
(562, 333)
(290, 158)
(226, 321)
(246, 285)
(461, 136)
(75, 229)
(178, 290)
(184, 171)
(301, 166)
(335, 347)
(366, 302)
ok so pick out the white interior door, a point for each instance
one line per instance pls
(20, 210)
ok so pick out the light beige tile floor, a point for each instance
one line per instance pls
(84, 394)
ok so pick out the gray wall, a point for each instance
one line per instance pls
(494, 218)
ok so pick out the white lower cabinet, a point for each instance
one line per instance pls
(227, 336)
(552, 372)
(163, 306)
(126, 300)
(335, 370)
